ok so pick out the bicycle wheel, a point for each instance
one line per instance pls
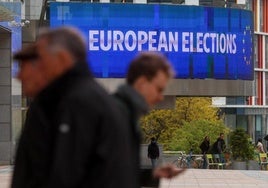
(183, 163)
(195, 164)
(176, 163)
(199, 162)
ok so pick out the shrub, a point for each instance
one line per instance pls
(242, 149)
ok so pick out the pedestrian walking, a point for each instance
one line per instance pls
(219, 146)
(259, 146)
(153, 151)
(147, 77)
(73, 135)
(204, 146)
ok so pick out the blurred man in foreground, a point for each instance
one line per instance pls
(72, 136)
(147, 77)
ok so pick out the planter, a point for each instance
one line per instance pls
(253, 165)
(239, 165)
(227, 157)
(242, 148)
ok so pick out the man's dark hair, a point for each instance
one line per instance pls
(28, 52)
(148, 64)
(67, 38)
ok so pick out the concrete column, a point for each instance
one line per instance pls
(263, 125)
(253, 127)
(5, 96)
(33, 9)
(250, 126)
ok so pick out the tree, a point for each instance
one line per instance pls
(191, 134)
(159, 123)
(196, 108)
(165, 125)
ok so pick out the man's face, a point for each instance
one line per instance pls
(53, 61)
(47, 60)
(152, 90)
(30, 77)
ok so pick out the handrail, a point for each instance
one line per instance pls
(174, 152)
(182, 153)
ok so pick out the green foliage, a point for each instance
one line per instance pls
(158, 123)
(185, 126)
(192, 134)
(195, 108)
(240, 144)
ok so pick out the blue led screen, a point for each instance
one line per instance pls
(200, 42)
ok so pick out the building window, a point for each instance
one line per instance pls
(256, 87)
(249, 4)
(160, 1)
(266, 52)
(266, 88)
(258, 123)
(121, 1)
(261, 15)
(242, 122)
(236, 100)
(256, 51)
(92, 1)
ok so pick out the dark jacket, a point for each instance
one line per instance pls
(153, 150)
(218, 146)
(132, 106)
(73, 137)
(204, 146)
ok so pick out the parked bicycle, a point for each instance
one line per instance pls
(188, 160)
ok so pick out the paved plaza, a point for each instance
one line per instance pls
(192, 178)
(5, 176)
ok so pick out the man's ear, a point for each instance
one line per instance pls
(65, 59)
(141, 83)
